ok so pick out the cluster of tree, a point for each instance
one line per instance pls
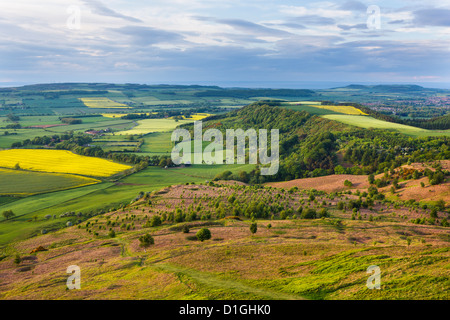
(378, 150)
(307, 145)
(13, 126)
(71, 120)
(52, 140)
(12, 117)
(436, 123)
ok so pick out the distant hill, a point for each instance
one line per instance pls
(390, 88)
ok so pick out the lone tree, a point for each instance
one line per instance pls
(253, 228)
(146, 240)
(203, 234)
(8, 214)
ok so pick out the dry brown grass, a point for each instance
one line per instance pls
(332, 183)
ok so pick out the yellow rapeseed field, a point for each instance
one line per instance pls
(196, 116)
(342, 109)
(103, 103)
(59, 161)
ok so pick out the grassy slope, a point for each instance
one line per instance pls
(295, 259)
(16, 182)
(86, 199)
(369, 122)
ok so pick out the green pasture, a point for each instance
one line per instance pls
(369, 122)
(19, 182)
(153, 125)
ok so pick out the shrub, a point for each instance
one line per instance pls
(308, 214)
(112, 234)
(323, 213)
(433, 213)
(146, 240)
(155, 221)
(253, 228)
(203, 234)
(185, 229)
(348, 183)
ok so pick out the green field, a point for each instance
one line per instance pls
(16, 182)
(157, 142)
(94, 197)
(369, 122)
(153, 125)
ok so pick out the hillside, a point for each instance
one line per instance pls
(298, 257)
(346, 196)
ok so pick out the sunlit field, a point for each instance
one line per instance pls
(59, 161)
(103, 103)
(342, 109)
(369, 122)
(30, 182)
(153, 125)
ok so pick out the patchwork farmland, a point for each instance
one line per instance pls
(79, 182)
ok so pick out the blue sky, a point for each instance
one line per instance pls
(204, 41)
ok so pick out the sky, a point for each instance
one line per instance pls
(226, 41)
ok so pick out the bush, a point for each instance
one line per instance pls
(203, 234)
(433, 213)
(112, 234)
(185, 229)
(309, 214)
(323, 213)
(146, 240)
(69, 223)
(155, 221)
(253, 228)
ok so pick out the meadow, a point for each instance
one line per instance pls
(319, 109)
(24, 183)
(153, 125)
(59, 161)
(369, 122)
